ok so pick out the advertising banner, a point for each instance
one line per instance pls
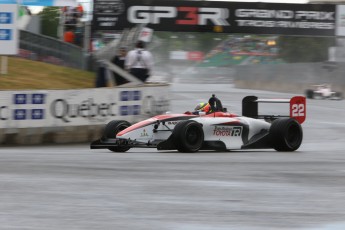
(57, 108)
(8, 29)
(212, 16)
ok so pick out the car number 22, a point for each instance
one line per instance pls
(298, 110)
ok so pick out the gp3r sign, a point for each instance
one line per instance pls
(218, 16)
(192, 15)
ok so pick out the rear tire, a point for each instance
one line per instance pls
(286, 134)
(188, 136)
(339, 95)
(309, 93)
(112, 129)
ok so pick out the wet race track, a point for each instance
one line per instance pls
(73, 187)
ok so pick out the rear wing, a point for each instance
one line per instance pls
(297, 107)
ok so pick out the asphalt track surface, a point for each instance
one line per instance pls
(73, 187)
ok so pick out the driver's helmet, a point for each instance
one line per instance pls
(203, 107)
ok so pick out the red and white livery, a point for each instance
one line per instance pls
(215, 131)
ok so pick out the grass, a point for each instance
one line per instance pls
(27, 74)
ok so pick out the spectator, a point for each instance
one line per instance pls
(79, 35)
(80, 10)
(69, 36)
(101, 77)
(119, 60)
(139, 62)
(69, 12)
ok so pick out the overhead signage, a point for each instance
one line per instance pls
(223, 17)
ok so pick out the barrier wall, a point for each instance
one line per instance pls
(290, 78)
(66, 116)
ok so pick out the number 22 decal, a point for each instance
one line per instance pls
(298, 110)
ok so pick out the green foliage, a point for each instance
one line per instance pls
(50, 21)
(191, 41)
(304, 49)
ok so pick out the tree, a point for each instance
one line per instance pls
(304, 49)
(50, 21)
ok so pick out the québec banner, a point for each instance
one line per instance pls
(59, 108)
(221, 17)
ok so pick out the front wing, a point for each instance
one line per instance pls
(116, 142)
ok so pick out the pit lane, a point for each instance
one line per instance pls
(73, 187)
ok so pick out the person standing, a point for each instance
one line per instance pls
(215, 103)
(69, 36)
(119, 60)
(139, 62)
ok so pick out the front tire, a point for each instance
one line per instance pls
(188, 136)
(286, 134)
(112, 129)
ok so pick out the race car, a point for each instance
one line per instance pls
(221, 131)
(323, 91)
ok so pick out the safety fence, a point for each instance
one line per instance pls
(47, 49)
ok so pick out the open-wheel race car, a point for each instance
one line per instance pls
(323, 91)
(219, 131)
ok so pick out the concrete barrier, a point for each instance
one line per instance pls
(48, 135)
(290, 78)
(31, 117)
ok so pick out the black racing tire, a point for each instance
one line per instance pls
(339, 95)
(309, 94)
(188, 136)
(286, 134)
(112, 129)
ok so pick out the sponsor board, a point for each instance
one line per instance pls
(53, 108)
(217, 16)
(8, 29)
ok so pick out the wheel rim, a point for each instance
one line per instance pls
(120, 128)
(293, 135)
(192, 135)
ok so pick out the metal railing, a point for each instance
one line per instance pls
(43, 48)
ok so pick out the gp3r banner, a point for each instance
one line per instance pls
(221, 17)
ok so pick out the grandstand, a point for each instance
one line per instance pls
(243, 50)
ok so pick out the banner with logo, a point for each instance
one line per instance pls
(8, 29)
(211, 16)
(55, 108)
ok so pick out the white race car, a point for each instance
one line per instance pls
(323, 91)
(215, 131)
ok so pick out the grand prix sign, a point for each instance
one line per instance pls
(226, 17)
